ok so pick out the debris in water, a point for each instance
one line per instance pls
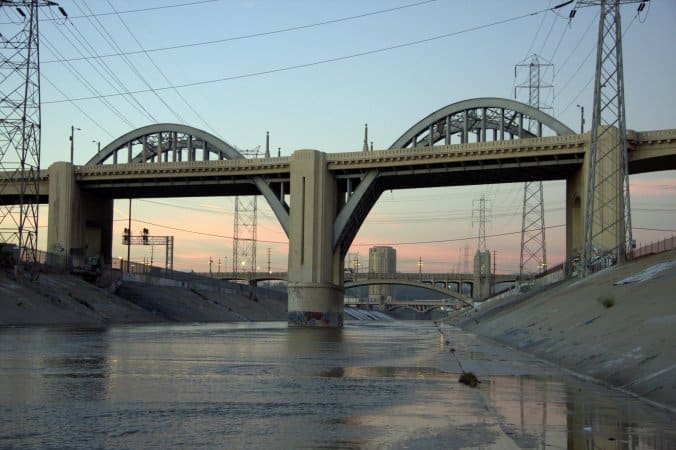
(469, 379)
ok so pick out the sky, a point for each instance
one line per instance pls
(241, 68)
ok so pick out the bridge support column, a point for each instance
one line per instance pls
(315, 271)
(482, 275)
(80, 224)
(609, 232)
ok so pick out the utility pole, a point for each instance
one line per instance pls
(533, 255)
(72, 142)
(608, 208)
(581, 118)
(20, 123)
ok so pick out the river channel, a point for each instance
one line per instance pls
(263, 385)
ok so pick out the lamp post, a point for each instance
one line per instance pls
(98, 145)
(420, 266)
(72, 141)
(581, 118)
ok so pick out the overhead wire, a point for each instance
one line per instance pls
(161, 72)
(78, 107)
(323, 61)
(574, 99)
(86, 83)
(267, 33)
(440, 241)
(121, 87)
(128, 11)
(110, 40)
(107, 75)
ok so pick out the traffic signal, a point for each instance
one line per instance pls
(145, 236)
(125, 237)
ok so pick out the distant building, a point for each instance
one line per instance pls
(382, 260)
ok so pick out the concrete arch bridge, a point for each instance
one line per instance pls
(320, 199)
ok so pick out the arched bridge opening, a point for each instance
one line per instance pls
(475, 120)
(165, 142)
(428, 286)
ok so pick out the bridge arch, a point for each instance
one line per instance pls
(430, 287)
(165, 142)
(454, 123)
(507, 119)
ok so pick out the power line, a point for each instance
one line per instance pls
(318, 62)
(110, 40)
(264, 33)
(439, 241)
(83, 80)
(128, 11)
(79, 108)
(161, 72)
(200, 233)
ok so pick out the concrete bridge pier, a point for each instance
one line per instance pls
(608, 214)
(80, 224)
(315, 270)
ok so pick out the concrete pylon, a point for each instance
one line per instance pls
(608, 216)
(482, 275)
(80, 223)
(315, 270)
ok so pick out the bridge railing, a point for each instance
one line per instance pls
(408, 276)
(664, 245)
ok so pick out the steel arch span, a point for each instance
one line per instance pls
(471, 120)
(171, 142)
(164, 142)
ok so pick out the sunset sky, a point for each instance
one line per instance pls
(385, 63)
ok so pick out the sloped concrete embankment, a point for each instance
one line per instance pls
(623, 334)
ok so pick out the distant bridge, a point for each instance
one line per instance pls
(422, 306)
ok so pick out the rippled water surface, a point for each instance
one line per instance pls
(258, 385)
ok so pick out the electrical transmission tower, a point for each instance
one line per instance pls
(245, 228)
(20, 125)
(533, 243)
(608, 219)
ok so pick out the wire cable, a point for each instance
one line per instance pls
(161, 72)
(129, 11)
(266, 33)
(323, 61)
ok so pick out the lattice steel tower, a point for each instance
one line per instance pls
(20, 125)
(608, 202)
(245, 228)
(533, 243)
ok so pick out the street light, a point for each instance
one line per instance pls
(72, 140)
(420, 266)
(581, 118)
(98, 145)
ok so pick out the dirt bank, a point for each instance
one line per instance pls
(622, 334)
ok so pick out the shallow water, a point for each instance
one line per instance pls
(254, 385)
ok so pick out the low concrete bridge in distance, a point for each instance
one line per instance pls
(422, 306)
(444, 283)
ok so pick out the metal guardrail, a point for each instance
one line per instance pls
(664, 245)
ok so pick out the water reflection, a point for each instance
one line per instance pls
(375, 385)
